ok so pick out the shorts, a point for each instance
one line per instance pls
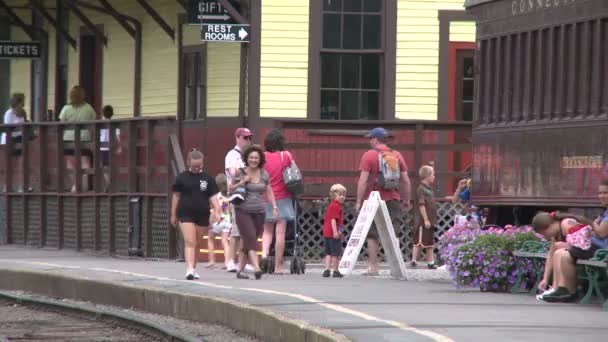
(199, 220)
(104, 155)
(394, 211)
(333, 247)
(285, 208)
(423, 237)
(582, 254)
(222, 227)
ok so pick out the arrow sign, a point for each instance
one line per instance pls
(242, 34)
(209, 12)
(225, 33)
(214, 17)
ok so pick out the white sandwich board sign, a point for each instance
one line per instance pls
(373, 210)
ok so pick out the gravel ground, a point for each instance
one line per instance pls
(22, 323)
(204, 331)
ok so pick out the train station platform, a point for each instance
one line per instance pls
(302, 307)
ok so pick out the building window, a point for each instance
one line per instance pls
(464, 85)
(194, 82)
(351, 60)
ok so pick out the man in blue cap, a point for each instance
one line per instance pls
(383, 170)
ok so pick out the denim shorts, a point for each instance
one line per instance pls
(285, 208)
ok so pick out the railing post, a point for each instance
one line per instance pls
(25, 183)
(43, 169)
(78, 182)
(97, 185)
(8, 178)
(148, 182)
(60, 183)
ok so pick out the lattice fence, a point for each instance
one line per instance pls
(310, 227)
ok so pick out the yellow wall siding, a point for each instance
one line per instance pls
(284, 61)
(462, 31)
(223, 72)
(418, 55)
(159, 60)
(50, 99)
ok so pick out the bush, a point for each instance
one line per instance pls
(484, 258)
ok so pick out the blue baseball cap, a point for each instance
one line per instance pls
(378, 133)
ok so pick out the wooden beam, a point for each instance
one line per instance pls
(25, 27)
(87, 22)
(36, 6)
(182, 3)
(233, 12)
(119, 18)
(159, 20)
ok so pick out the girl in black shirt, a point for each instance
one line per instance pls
(193, 193)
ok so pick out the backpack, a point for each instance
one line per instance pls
(292, 177)
(389, 172)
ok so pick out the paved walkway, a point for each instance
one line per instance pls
(361, 308)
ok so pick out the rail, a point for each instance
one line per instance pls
(94, 185)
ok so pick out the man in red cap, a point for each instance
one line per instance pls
(391, 193)
(232, 163)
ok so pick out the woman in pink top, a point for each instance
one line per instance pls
(276, 160)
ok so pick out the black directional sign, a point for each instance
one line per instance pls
(209, 12)
(225, 33)
(23, 50)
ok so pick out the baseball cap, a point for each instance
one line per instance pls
(242, 132)
(378, 132)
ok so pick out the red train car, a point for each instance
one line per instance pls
(541, 112)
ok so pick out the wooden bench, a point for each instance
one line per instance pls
(595, 270)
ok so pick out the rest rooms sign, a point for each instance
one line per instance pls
(209, 11)
(225, 33)
(10, 50)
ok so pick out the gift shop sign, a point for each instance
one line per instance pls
(373, 210)
(20, 50)
(209, 12)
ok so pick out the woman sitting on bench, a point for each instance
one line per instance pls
(572, 237)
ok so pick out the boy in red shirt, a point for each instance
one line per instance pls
(333, 226)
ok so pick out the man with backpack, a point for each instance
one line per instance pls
(383, 170)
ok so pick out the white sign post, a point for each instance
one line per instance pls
(373, 209)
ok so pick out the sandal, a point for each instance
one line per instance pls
(210, 266)
(240, 275)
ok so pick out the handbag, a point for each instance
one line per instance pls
(292, 177)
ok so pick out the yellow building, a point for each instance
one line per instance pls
(326, 59)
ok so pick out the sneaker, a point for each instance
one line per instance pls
(196, 275)
(240, 275)
(546, 292)
(431, 266)
(337, 274)
(326, 273)
(189, 275)
(561, 295)
(249, 268)
(231, 267)
(413, 264)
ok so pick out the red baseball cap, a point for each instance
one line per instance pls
(242, 132)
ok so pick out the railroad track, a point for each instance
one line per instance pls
(25, 318)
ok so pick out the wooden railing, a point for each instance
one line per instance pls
(330, 151)
(128, 215)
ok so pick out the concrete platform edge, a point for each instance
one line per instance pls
(260, 323)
